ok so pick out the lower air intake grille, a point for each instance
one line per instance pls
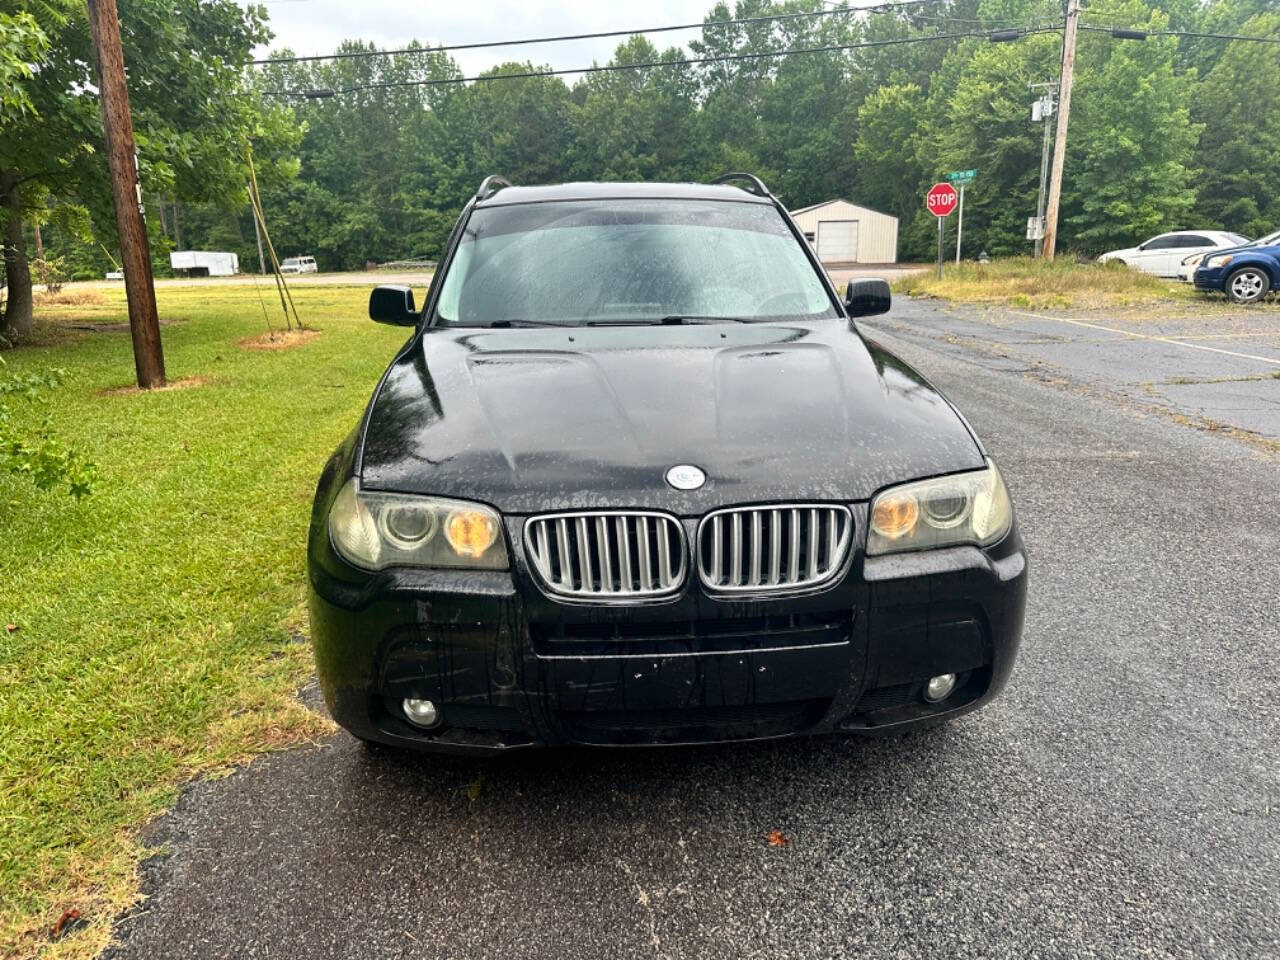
(692, 724)
(773, 548)
(607, 554)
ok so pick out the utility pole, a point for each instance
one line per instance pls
(1046, 112)
(1060, 140)
(122, 158)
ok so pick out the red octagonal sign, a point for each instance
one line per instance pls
(941, 199)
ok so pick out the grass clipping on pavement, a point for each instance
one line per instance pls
(1027, 282)
(150, 633)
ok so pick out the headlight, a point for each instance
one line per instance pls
(1192, 260)
(943, 512)
(376, 530)
(1214, 262)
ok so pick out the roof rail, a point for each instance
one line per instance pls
(491, 185)
(757, 185)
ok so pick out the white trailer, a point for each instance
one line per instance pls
(204, 263)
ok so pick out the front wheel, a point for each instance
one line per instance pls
(1248, 285)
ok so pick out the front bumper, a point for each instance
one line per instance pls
(1211, 278)
(509, 667)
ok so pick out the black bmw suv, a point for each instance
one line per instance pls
(637, 477)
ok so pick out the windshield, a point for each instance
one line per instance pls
(629, 261)
(1270, 240)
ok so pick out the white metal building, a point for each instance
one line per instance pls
(843, 232)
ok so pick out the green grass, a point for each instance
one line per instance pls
(157, 621)
(1061, 283)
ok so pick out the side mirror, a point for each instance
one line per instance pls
(393, 305)
(865, 298)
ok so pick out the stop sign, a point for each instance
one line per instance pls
(941, 199)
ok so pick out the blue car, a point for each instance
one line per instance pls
(1245, 274)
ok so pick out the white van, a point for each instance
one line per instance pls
(298, 265)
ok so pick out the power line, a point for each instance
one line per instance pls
(1140, 33)
(359, 54)
(1004, 21)
(614, 67)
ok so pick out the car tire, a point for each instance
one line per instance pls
(1248, 285)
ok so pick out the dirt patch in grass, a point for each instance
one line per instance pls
(279, 340)
(57, 331)
(117, 327)
(182, 383)
(69, 298)
(1030, 283)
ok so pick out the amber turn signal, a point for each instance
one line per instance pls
(470, 532)
(895, 516)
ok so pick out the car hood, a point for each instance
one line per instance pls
(1270, 250)
(542, 419)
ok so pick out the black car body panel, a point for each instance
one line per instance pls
(536, 420)
(543, 420)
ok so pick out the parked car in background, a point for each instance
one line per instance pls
(1187, 272)
(1162, 255)
(1244, 274)
(298, 265)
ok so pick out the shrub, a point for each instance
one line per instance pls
(52, 272)
(37, 454)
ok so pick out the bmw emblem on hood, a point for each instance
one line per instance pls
(685, 476)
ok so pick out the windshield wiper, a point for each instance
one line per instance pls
(675, 320)
(517, 322)
(702, 318)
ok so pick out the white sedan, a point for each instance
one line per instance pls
(1191, 264)
(1163, 254)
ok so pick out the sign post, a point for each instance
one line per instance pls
(958, 178)
(940, 201)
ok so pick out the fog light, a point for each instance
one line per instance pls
(938, 688)
(421, 713)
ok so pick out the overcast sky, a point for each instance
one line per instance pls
(318, 26)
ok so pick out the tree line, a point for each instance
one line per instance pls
(1166, 132)
(194, 110)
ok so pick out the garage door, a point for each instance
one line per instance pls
(837, 241)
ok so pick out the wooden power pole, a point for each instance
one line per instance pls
(122, 158)
(1060, 140)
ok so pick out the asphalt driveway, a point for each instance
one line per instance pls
(1213, 365)
(1118, 801)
